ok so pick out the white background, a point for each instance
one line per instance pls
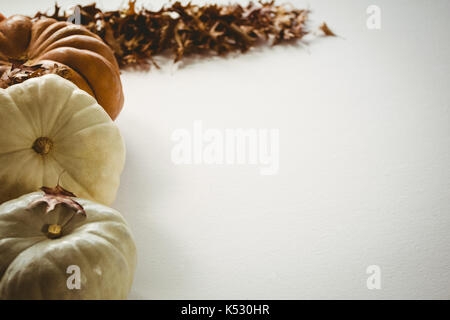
(364, 173)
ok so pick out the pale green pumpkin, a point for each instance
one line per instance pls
(48, 127)
(39, 250)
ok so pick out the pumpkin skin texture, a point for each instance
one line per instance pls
(90, 62)
(51, 130)
(33, 266)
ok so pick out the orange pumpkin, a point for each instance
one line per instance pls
(89, 62)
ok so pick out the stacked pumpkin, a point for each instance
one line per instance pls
(59, 129)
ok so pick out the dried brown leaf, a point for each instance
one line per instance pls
(58, 195)
(326, 30)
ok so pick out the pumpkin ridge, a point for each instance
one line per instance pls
(94, 126)
(57, 266)
(45, 165)
(20, 253)
(39, 27)
(122, 254)
(110, 244)
(40, 113)
(88, 43)
(55, 135)
(22, 114)
(19, 30)
(13, 151)
(50, 84)
(80, 74)
(33, 126)
(87, 222)
(60, 114)
(85, 190)
(107, 240)
(45, 34)
(61, 111)
(59, 35)
(107, 101)
(41, 279)
(72, 75)
(75, 246)
(17, 238)
(20, 163)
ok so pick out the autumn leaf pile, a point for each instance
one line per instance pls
(137, 35)
(19, 72)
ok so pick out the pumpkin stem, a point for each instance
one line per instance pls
(42, 145)
(54, 231)
(58, 196)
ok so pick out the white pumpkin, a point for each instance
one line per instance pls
(37, 262)
(48, 127)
